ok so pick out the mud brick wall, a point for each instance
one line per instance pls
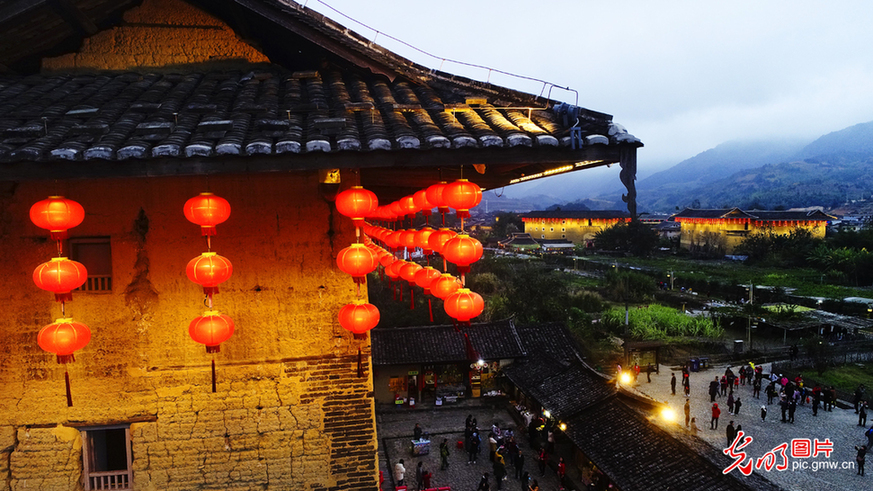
(289, 411)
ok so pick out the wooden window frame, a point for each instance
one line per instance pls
(94, 283)
(110, 479)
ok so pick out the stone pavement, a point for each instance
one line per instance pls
(394, 428)
(839, 426)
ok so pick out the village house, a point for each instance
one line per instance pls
(721, 231)
(130, 108)
(578, 227)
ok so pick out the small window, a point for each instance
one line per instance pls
(542, 236)
(589, 222)
(563, 222)
(552, 229)
(563, 229)
(95, 254)
(106, 458)
(563, 236)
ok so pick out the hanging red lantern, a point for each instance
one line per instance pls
(464, 305)
(392, 240)
(386, 259)
(64, 337)
(407, 239)
(408, 272)
(462, 195)
(57, 215)
(357, 261)
(444, 286)
(211, 329)
(359, 318)
(397, 210)
(435, 196)
(438, 239)
(462, 251)
(407, 204)
(421, 240)
(421, 201)
(425, 277)
(393, 269)
(207, 210)
(209, 270)
(60, 276)
(357, 203)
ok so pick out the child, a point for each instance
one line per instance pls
(763, 413)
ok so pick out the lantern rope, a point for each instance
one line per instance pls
(67, 384)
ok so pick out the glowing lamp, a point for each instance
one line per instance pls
(407, 239)
(63, 337)
(356, 203)
(209, 270)
(357, 261)
(421, 201)
(438, 239)
(434, 195)
(462, 195)
(211, 329)
(425, 277)
(444, 286)
(464, 305)
(392, 240)
(421, 239)
(393, 269)
(57, 214)
(407, 272)
(387, 259)
(397, 210)
(462, 251)
(359, 318)
(207, 210)
(60, 276)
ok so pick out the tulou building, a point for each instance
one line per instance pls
(578, 227)
(131, 108)
(723, 230)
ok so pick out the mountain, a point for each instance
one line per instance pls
(855, 140)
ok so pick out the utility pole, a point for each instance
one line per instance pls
(751, 308)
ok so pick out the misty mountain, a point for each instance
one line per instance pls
(855, 140)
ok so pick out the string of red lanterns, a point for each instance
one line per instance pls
(61, 276)
(209, 270)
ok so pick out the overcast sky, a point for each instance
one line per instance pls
(683, 76)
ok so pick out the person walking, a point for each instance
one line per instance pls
(562, 470)
(399, 472)
(763, 413)
(499, 468)
(543, 459)
(730, 403)
(419, 476)
(444, 454)
(713, 389)
(687, 411)
(525, 481)
(473, 448)
(483, 483)
(862, 452)
(862, 413)
(730, 433)
(673, 383)
(716, 412)
(737, 405)
(792, 407)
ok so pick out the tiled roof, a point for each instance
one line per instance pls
(577, 214)
(637, 454)
(549, 340)
(563, 388)
(761, 215)
(444, 344)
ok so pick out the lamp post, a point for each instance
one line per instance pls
(672, 277)
(751, 309)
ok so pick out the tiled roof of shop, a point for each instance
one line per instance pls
(444, 344)
(636, 454)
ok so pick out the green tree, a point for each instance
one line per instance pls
(506, 223)
(632, 237)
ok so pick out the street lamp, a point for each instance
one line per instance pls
(672, 277)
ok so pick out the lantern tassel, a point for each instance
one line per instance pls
(471, 351)
(393, 291)
(411, 298)
(213, 375)
(360, 364)
(67, 383)
(430, 310)
(400, 286)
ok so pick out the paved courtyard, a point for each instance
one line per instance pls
(395, 426)
(840, 426)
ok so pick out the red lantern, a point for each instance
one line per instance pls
(425, 277)
(359, 318)
(407, 203)
(462, 195)
(357, 203)
(462, 251)
(207, 210)
(421, 201)
(63, 338)
(421, 239)
(393, 269)
(57, 214)
(211, 329)
(397, 210)
(439, 238)
(209, 270)
(408, 272)
(463, 305)
(407, 239)
(434, 195)
(386, 259)
(444, 286)
(60, 276)
(357, 261)
(392, 240)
